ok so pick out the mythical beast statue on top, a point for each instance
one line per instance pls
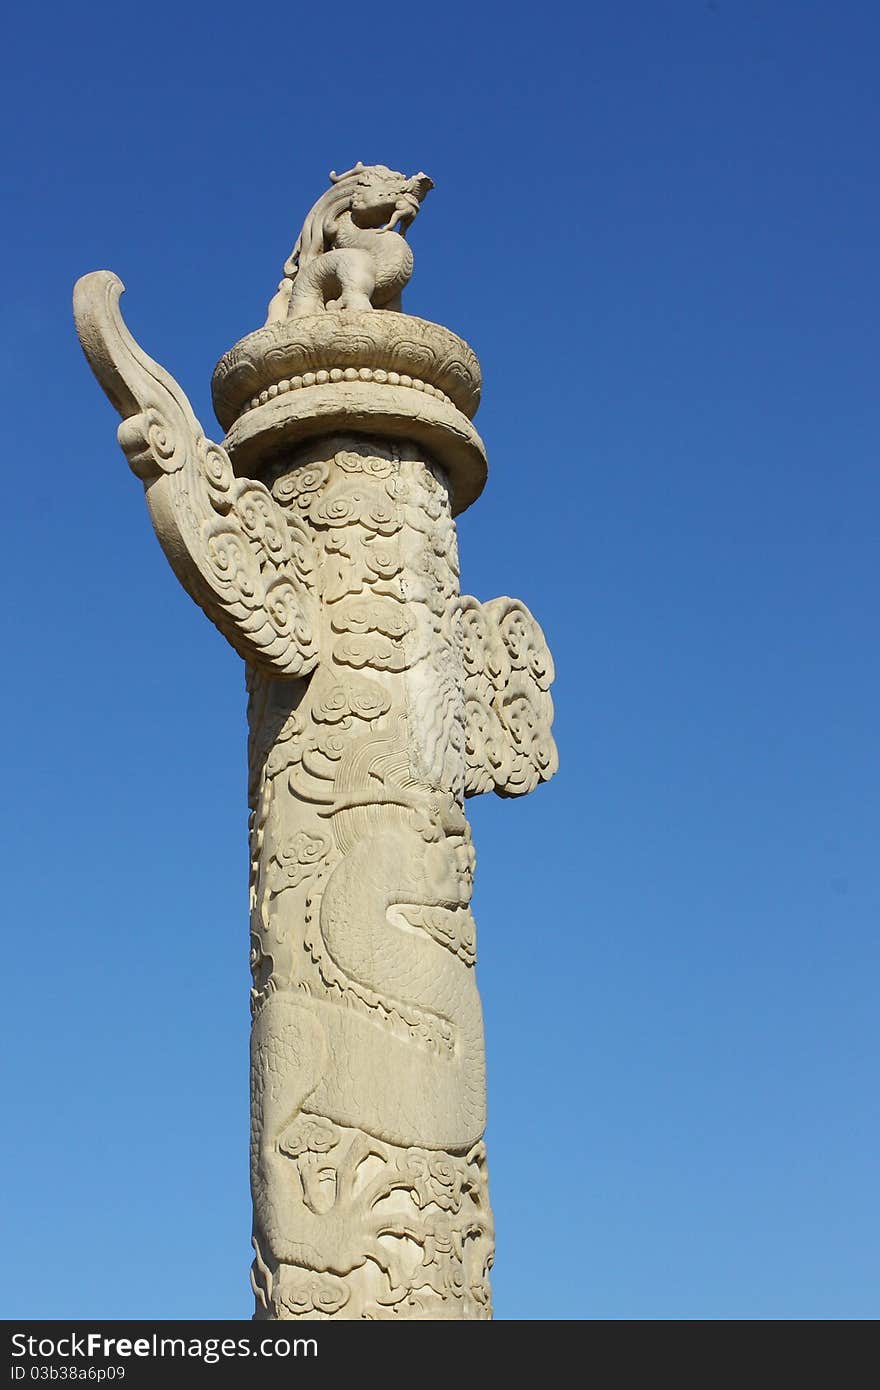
(348, 255)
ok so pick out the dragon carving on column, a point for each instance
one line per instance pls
(320, 540)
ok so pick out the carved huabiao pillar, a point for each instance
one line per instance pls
(320, 540)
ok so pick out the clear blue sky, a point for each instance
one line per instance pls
(658, 225)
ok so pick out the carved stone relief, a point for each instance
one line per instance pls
(320, 539)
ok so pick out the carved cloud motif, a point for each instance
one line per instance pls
(509, 745)
(234, 549)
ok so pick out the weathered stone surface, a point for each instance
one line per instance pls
(382, 374)
(320, 540)
(330, 346)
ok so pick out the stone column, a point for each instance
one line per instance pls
(320, 539)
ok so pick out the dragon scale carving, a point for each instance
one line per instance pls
(363, 938)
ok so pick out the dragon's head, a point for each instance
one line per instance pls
(381, 197)
(376, 197)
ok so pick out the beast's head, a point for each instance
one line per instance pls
(376, 197)
(381, 197)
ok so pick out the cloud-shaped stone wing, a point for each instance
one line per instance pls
(234, 550)
(509, 746)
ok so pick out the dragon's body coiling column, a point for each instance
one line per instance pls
(320, 539)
